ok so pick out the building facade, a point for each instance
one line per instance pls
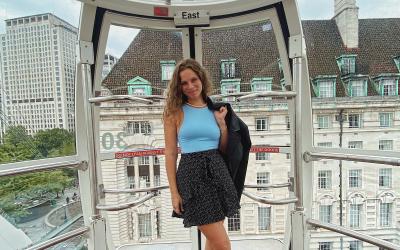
(354, 81)
(38, 65)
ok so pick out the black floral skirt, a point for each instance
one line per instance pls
(206, 188)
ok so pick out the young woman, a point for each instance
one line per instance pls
(202, 191)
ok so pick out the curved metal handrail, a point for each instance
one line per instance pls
(269, 186)
(54, 241)
(111, 98)
(126, 205)
(354, 234)
(313, 156)
(270, 201)
(119, 191)
(267, 94)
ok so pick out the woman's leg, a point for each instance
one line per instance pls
(217, 238)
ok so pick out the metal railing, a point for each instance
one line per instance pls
(315, 156)
(354, 234)
(271, 201)
(288, 94)
(141, 190)
(269, 186)
(142, 99)
(54, 241)
(41, 166)
(125, 205)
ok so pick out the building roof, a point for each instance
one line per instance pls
(255, 50)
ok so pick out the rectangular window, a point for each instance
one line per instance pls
(358, 88)
(348, 65)
(264, 218)
(354, 121)
(388, 87)
(324, 144)
(356, 144)
(144, 225)
(325, 213)
(355, 245)
(325, 89)
(138, 127)
(167, 71)
(262, 179)
(228, 69)
(355, 178)
(262, 124)
(234, 223)
(324, 179)
(262, 156)
(385, 144)
(385, 120)
(323, 121)
(386, 214)
(325, 246)
(355, 215)
(385, 177)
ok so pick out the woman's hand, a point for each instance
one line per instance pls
(220, 116)
(177, 203)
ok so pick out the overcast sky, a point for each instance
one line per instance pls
(69, 10)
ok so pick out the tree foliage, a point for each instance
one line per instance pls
(16, 192)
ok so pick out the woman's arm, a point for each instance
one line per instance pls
(171, 155)
(220, 117)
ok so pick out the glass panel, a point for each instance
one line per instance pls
(37, 89)
(133, 132)
(246, 59)
(38, 206)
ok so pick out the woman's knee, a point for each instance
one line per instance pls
(222, 244)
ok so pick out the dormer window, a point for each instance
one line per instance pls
(387, 84)
(230, 86)
(358, 88)
(139, 86)
(167, 69)
(347, 64)
(325, 86)
(228, 68)
(397, 62)
(388, 87)
(261, 84)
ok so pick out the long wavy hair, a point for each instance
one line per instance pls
(175, 97)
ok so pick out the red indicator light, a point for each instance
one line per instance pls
(160, 11)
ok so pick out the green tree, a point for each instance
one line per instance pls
(54, 140)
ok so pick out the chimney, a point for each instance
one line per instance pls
(346, 18)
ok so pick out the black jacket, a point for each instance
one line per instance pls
(239, 144)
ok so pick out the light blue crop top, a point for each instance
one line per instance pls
(199, 130)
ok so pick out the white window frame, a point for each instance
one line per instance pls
(325, 245)
(385, 119)
(262, 124)
(325, 88)
(234, 223)
(262, 156)
(264, 218)
(167, 70)
(355, 178)
(355, 144)
(385, 145)
(325, 213)
(355, 211)
(388, 87)
(385, 214)
(354, 120)
(385, 178)
(355, 245)
(323, 121)
(263, 178)
(324, 144)
(144, 225)
(324, 179)
(357, 88)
